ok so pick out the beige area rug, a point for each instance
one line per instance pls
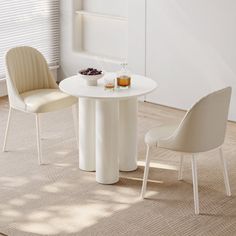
(60, 199)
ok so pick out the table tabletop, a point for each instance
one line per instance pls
(76, 86)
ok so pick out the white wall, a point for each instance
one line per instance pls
(187, 46)
(72, 58)
(110, 7)
(191, 49)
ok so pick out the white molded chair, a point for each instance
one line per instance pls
(31, 88)
(202, 129)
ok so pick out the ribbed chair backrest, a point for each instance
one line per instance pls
(28, 70)
(203, 127)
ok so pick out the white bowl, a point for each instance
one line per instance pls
(91, 80)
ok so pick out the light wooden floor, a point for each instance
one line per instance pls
(60, 199)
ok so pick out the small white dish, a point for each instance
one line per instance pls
(91, 80)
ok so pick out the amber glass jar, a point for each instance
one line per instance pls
(123, 77)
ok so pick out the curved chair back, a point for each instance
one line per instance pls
(203, 127)
(28, 70)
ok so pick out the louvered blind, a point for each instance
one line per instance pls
(30, 23)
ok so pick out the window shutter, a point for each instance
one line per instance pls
(30, 23)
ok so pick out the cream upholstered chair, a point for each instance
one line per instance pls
(31, 88)
(202, 129)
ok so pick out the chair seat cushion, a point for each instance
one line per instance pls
(47, 100)
(154, 135)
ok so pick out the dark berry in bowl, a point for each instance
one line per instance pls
(90, 71)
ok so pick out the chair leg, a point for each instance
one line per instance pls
(195, 185)
(225, 173)
(76, 120)
(146, 171)
(38, 139)
(180, 173)
(7, 129)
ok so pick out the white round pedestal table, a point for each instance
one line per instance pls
(107, 125)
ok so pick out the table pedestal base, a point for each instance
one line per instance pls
(87, 134)
(107, 146)
(107, 137)
(128, 110)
